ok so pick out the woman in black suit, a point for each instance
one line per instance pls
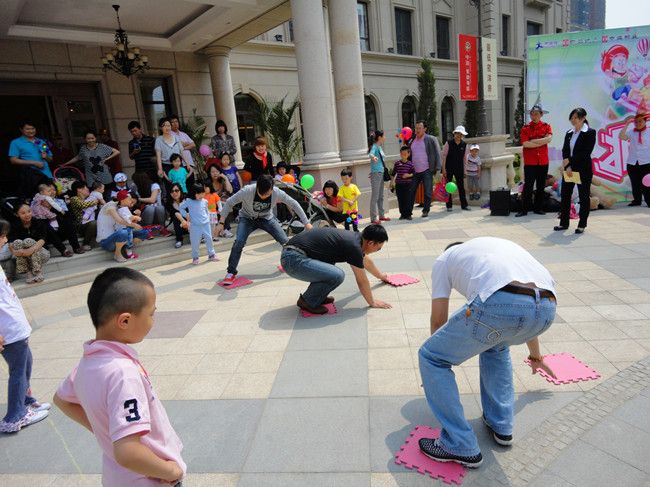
(578, 144)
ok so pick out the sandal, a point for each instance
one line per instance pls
(66, 253)
(119, 259)
(33, 280)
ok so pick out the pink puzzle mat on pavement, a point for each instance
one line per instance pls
(567, 368)
(402, 280)
(238, 282)
(280, 268)
(411, 457)
(331, 309)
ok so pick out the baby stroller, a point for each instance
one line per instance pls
(65, 176)
(317, 215)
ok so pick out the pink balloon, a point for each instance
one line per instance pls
(646, 180)
(407, 133)
(205, 150)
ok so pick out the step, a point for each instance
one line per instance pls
(61, 272)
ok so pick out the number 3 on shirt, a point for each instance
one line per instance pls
(132, 408)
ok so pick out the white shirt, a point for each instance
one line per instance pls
(575, 135)
(105, 222)
(184, 138)
(14, 326)
(482, 266)
(639, 152)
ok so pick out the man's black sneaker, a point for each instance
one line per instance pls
(503, 440)
(429, 446)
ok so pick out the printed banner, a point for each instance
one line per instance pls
(468, 67)
(607, 72)
(489, 57)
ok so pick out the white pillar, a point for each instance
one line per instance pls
(348, 79)
(224, 100)
(317, 105)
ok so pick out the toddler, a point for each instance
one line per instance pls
(109, 392)
(473, 172)
(403, 172)
(22, 409)
(231, 173)
(349, 194)
(97, 194)
(124, 204)
(43, 203)
(295, 172)
(280, 170)
(120, 184)
(195, 210)
(178, 174)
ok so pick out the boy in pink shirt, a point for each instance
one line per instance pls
(109, 391)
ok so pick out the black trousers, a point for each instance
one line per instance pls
(583, 191)
(457, 172)
(403, 192)
(534, 175)
(66, 231)
(636, 173)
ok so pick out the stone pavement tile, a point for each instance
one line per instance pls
(618, 312)
(567, 299)
(387, 338)
(231, 424)
(620, 350)
(53, 368)
(202, 387)
(253, 362)
(606, 371)
(578, 313)
(611, 252)
(632, 296)
(417, 336)
(301, 479)
(395, 382)
(175, 364)
(582, 464)
(627, 269)
(311, 435)
(80, 480)
(532, 408)
(385, 318)
(634, 329)
(581, 349)
(595, 330)
(410, 478)
(547, 479)
(560, 332)
(568, 287)
(174, 324)
(622, 365)
(206, 329)
(266, 342)
(416, 320)
(596, 297)
(322, 373)
(249, 386)
(330, 332)
(419, 305)
(643, 308)
(219, 363)
(237, 327)
(624, 441)
(212, 479)
(641, 282)
(389, 358)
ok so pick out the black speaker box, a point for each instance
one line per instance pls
(500, 202)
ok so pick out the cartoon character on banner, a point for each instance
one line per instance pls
(628, 86)
(353, 216)
(404, 135)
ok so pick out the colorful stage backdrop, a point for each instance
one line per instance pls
(605, 71)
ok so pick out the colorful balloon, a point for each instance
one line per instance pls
(205, 150)
(643, 46)
(288, 178)
(646, 180)
(246, 176)
(407, 133)
(307, 181)
(451, 187)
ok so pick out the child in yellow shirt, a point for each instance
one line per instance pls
(349, 194)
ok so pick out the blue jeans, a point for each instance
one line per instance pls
(487, 329)
(426, 177)
(324, 277)
(19, 359)
(196, 232)
(245, 228)
(125, 235)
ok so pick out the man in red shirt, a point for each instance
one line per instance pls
(535, 138)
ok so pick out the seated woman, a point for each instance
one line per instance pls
(172, 204)
(114, 240)
(27, 243)
(148, 194)
(330, 202)
(59, 224)
(85, 212)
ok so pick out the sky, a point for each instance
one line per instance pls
(627, 13)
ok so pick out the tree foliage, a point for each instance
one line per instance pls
(520, 111)
(427, 108)
(276, 121)
(195, 127)
(471, 118)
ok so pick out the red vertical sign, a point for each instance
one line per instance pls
(468, 67)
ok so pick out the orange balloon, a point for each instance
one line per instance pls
(288, 178)
(246, 176)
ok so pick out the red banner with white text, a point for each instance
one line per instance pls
(468, 67)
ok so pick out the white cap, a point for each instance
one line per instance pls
(474, 146)
(460, 129)
(120, 177)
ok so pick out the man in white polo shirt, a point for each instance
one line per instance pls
(427, 160)
(510, 301)
(638, 160)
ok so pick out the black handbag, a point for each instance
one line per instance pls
(386, 174)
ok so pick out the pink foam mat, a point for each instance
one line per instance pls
(412, 458)
(567, 368)
(401, 280)
(280, 269)
(238, 282)
(331, 309)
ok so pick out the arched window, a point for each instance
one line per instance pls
(245, 106)
(447, 114)
(408, 112)
(371, 115)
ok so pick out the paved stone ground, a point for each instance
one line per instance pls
(263, 397)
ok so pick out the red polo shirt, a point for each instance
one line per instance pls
(535, 156)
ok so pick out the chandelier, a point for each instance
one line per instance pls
(124, 60)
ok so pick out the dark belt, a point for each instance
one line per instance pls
(528, 291)
(293, 247)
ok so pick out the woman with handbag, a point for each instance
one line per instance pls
(579, 142)
(378, 173)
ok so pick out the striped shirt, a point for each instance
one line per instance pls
(472, 164)
(419, 155)
(400, 169)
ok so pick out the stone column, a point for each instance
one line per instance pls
(317, 106)
(224, 100)
(348, 79)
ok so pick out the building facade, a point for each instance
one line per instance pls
(587, 15)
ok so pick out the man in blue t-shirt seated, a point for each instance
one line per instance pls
(33, 155)
(310, 256)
